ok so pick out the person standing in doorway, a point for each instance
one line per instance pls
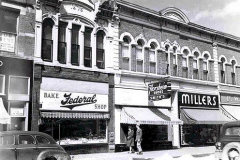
(130, 139)
(139, 139)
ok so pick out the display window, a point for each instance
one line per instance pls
(75, 131)
(199, 134)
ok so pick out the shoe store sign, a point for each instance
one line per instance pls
(197, 100)
(158, 91)
(53, 100)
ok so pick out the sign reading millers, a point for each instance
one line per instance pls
(159, 90)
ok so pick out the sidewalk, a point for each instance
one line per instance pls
(194, 151)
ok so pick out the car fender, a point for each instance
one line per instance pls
(58, 155)
(228, 147)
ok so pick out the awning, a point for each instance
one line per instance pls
(152, 116)
(231, 111)
(201, 116)
(4, 116)
(75, 115)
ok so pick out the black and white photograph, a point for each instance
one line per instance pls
(119, 80)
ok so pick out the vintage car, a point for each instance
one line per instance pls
(228, 144)
(29, 145)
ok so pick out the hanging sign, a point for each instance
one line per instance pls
(158, 91)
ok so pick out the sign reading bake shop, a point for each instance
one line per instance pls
(197, 100)
(54, 100)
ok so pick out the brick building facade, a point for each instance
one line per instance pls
(16, 58)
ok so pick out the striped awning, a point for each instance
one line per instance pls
(151, 116)
(75, 115)
(201, 116)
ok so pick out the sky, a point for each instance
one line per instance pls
(220, 15)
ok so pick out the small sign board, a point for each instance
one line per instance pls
(17, 112)
(159, 90)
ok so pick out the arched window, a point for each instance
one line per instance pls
(222, 70)
(139, 55)
(205, 67)
(233, 72)
(100, 57)
(174, 61)
(185, 63)
(195, 65)
(62, 46)
(167, 47)
(152, 57)
(47, 39)
(126, 53)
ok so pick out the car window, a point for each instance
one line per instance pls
(26, 139)
(42, 140)
(6, 140)
(233, 131)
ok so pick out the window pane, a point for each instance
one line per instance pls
(100, 37)
(233, 131)
(26, 139)
(152, 67)
(139, 54)
(125, 51)
(47, 46)
(195, 64)
(87, 37)
(87, 56)
(174, 70)
(184, 62)
(205, 75)
(222, 77)
(42, 140)
(9, 21)
(185, 73)
(195, 74)
(205, 66)
(152, 56)
(2, 81)
(62, 32)
(233, 79)
(100, 58)
(18, 85)
(125, 64)
(139, 66)
(174, 60)
(75, 31)
(62, 52)
(75, 54)
(6, 140)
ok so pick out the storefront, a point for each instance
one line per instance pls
(230, 103)
(15, 93)
(202, 118)
(75, 115)
(158, 119)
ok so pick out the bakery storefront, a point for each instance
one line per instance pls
(202, 118)
(75, 113)
(157, 118)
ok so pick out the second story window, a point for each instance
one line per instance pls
(8, 29)
(233, 72)
(195, 65)
(185, 63)
(126, 53)
(222, 70)
(152, 58)
(87, 48)
(205, 67)
(174, 61)
(139, 55)
(100, 50)
(75, 47)
(62, 48)
(47, 39)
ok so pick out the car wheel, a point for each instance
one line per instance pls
(53, 155)
(231, 151)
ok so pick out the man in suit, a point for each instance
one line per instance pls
(139, 139)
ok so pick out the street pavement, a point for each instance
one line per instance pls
(186, 153)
